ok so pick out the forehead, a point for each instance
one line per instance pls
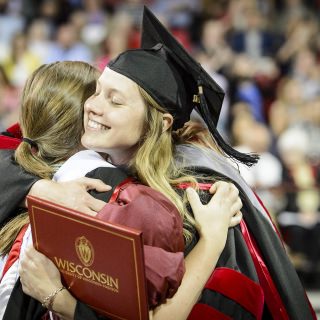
(111, 80)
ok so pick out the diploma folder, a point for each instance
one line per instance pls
(101, 263)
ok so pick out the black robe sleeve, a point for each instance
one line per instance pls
(15, 184)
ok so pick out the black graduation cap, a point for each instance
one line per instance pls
(178, 83)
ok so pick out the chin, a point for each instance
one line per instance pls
(86, 143)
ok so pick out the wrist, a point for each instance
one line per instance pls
(38, 187)
(48, 301)
(214, 238)
(214, 233)
(41, 189)
(63, 304)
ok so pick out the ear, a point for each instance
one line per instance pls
(167, 121)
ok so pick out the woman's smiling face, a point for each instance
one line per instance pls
(114, 117)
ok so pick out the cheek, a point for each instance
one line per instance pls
(137, 124)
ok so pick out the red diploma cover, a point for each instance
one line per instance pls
(101, 263)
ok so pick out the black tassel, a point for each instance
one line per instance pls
(247, 159)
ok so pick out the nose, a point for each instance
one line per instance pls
(93, 105)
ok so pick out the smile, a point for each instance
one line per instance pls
(96, 125)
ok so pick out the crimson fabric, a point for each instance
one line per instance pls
(239, 288)
(143, 208)
(273, 299)
(202, 311)
(202, 186)
(15, 130)
(11, 138)
(15, 251)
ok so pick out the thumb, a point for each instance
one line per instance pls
(95, 184)
(193, 198)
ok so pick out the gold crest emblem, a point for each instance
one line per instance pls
(84, 251)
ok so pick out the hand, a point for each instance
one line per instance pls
(237, 217)
(222, 211)
(72, 194)
(38, 274)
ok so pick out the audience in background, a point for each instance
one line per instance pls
(265, 54)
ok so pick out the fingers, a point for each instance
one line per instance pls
(224, 187)
(96, 205)
(88, 211)
(237, 205)
(213, 188)
(193, 199)
(236, 219)
(94, 184)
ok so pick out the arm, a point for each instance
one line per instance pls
(214, 220)
(16, 184)
(40, 277)
(71, 194)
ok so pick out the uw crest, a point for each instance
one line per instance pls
(84, 250)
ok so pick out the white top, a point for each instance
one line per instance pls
(79, 165)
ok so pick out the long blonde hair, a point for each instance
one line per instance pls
(52, 116)
(154, 163)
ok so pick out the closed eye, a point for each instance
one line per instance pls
(116, 101)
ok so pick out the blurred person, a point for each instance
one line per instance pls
(178, 13)
(10, 25)
(299, 219)
(20, 62)
(306, 70)
(9, 99)
(94, 11)
(67, 46)
(266, 176)
(95, 29)
(254, 39)
(214, 56)
(131, 8)
(299, 33)
(56, 12)
(39, 38)
(312, 114)
(288, 108)
(216, 51)
(244, 86)
(290, 11)
(117, 39)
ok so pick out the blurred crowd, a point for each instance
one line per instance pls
(264, 53)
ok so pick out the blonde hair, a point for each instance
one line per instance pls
(51, 115)
(154, 164)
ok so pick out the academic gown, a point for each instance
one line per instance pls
(254, 278)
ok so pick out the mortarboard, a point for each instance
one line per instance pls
(177, 82)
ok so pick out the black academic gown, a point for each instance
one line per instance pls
(12, 194)
(254, 277)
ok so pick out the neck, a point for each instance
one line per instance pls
(120, 158)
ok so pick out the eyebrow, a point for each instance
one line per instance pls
(114, 90)
(111, 90)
